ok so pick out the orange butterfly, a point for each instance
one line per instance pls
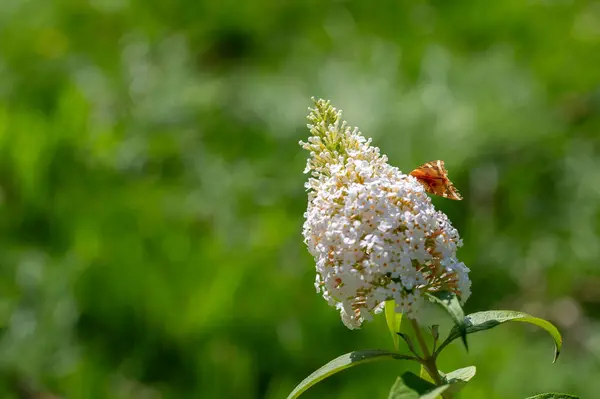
(434, 177)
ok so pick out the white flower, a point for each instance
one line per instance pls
(372, 230)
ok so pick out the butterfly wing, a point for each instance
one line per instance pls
(450, 192)
(434, 177)
(430, 170)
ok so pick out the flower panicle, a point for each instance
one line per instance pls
(332, 140)
(372, 230)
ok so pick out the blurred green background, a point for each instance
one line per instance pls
(152, 199)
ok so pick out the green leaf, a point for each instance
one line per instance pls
(450, 302)
(401, 391)
(435, 393)
(411, 386)
(481, 321)
(343, 362)
(553, 395)
(425, 375)
(417, 383)
(394, 320)
(459, 378)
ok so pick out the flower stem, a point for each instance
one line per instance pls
(420, 338)
(428, 361)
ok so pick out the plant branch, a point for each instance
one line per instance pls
(420, 338)
(428, 361)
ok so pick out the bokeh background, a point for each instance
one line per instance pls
(151, 187)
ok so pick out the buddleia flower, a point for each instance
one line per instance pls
(372, 230)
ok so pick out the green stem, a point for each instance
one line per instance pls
(429, 361)
(420, 338)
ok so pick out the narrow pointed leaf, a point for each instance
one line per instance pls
(553, 395)
(408, 341)
(342, 363)
(393, 320)
(410, 386)
(450, 302)
(435, 393)
(417, 383)
(401, 391)
(459, 378)
(463, 374)
(482, 321)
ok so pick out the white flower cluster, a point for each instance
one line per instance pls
(372, 230)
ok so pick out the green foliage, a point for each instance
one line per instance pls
(151, 187)
(482, 321)
(410, 386)
(451, 305)
(341, 363)
(394, 321)
(425, 375)
(459, 378)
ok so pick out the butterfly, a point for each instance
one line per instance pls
(434, 177)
